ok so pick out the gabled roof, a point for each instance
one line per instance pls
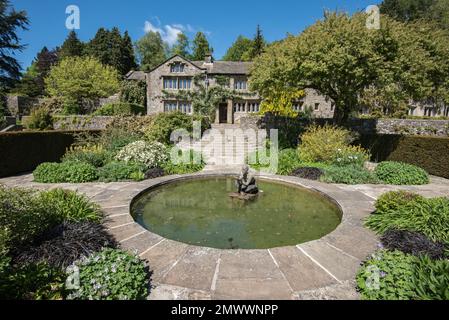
(217, 67)
(225, 67)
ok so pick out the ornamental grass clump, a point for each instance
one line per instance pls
(427, 216)
(150, 154)
(63, 245)
(110, 275)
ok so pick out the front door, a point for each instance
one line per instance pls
(223, 112)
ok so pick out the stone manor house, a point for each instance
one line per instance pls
(177, 74)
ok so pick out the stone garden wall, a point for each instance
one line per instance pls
(82, 122)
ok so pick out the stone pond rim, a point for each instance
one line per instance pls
(306, 213)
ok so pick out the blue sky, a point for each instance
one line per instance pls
(222, 21)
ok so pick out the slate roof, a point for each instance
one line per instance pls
(225, 67)
(135, 75)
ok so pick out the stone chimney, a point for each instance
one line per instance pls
(208, 58)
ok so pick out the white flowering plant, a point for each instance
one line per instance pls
(109, 275)
(351, 156)
(150, 154)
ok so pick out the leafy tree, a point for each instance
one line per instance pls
(32, 83)
(72, 46)
(281, 104)
(258, 44)
(128, 57)
(110, 48)
(150, 50)
(77, 78)
(341, 58)
(181, 47)
(241, 50)
(411, 10)
(201, 47)
(10, 22)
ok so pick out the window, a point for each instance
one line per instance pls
(184, 107)
(177, 83)
(185, 83)
(239, 107)
(170, 106)
(177, 67)
(240, 84)
(317, 106)
(253, 107)
(411, 111)
(332, 106)
(297, 106)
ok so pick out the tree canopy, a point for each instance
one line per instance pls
(76, 78)
(32, 83)
(72, 46)
(341, 58)
(201, 47)
(241, 50)
(151, 50)
(110, 48)
(181, 47)
(10, 22)
(411, 10)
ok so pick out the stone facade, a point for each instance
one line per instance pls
(231, 111)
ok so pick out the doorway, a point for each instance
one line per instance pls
(223, 112)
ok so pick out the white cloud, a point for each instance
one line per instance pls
(169, 33)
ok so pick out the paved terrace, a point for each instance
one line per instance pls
(320, 269)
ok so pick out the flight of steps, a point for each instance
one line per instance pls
(225, 146)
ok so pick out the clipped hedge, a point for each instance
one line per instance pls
(24, 151)
(428, 153)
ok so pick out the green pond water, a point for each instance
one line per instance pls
(200, 212)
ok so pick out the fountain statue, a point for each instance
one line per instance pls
(246, 184)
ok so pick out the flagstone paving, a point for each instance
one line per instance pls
(321, 269)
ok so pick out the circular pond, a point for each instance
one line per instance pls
(200, 212)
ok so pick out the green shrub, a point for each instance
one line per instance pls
(351, 156)
(427, 216)
(189, 165)
(78, 172)
(113, 140)
(39, 119)
(387, 276)
(120, 109)
(165, 123)
(149, 154)
(31, 282)
(429, 153)
(94, 155)
(287, 161)
(398, 173)
(23, 217)
(393, 200)
(132, 91)
(69, 205)
(348, 175)
(117, 171)
(393, 275)
(111, 275)
(431, 279)
(70, 172)
(320, 144)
